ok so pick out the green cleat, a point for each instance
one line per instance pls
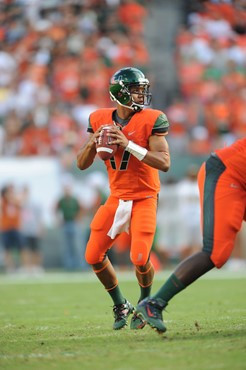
(137, 322)
(121, 313)
(150, 311)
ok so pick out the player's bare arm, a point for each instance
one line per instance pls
(88, 152)
(157, 156)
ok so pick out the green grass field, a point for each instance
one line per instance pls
(65, 322)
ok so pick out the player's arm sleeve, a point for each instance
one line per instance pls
(89, 128)
(161, 125)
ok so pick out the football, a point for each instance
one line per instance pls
(104, 148)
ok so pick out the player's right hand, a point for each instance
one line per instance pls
(96, 134)
(94, 138)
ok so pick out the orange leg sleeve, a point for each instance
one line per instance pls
(106, 274)
(99, 242)
(145, 274)
(143, 225)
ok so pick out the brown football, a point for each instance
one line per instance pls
(104, 149)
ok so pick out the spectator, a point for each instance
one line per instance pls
(189, 211)
(169, 223)
(10, 221)
(68, 207)
(32, 228)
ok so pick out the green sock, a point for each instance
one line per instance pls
(116, 295)
(144, 292)
(171, 287)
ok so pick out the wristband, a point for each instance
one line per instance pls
(138, 151)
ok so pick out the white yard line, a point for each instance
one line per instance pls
(39, 355)
(85, 277)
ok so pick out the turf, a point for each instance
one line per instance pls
(66, 323)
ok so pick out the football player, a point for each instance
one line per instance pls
(222, 187)
(134, 182)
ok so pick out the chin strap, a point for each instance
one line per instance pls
(134, 106)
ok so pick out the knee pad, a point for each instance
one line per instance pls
(92, 257)
(139, 259)
(140, 250)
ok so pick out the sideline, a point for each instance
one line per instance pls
(85, 277)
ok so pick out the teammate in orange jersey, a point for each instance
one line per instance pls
(222, 186)
(134, 184)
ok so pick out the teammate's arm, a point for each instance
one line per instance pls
(87, 153)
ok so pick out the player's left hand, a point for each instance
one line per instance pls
(118, 137)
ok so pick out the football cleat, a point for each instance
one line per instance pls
(121, 313)
(137, 322)
(150, 311)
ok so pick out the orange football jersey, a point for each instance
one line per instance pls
(234, 157)
(130, 178)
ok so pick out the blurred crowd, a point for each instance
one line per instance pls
(21, 230)
(56, 58)
(27, 246)
(211, 64)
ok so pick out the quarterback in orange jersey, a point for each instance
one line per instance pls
(222, 186)
(134, 184)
